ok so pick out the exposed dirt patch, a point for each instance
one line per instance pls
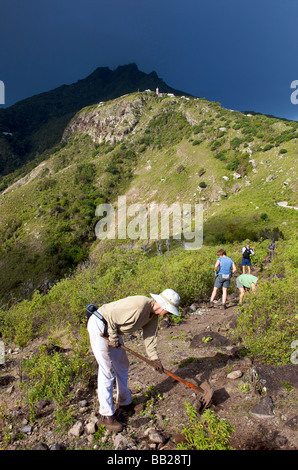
(201, 348)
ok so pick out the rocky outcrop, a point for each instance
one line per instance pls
(106, 123)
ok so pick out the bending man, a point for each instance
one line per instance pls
(245, 283)
(124, 316)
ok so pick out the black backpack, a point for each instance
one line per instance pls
(246, 253)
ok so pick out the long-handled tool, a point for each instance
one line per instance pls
(205, 392)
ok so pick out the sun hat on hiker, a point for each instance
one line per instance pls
(168, 300)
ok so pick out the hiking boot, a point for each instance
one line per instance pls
(127, 408)
(110, 422)
(210, 305)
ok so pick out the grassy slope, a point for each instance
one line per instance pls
(47, 224)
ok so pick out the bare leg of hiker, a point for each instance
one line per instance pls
(215, 289)
(224, 295)
(241, 289)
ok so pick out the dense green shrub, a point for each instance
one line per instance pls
(168, 128)
(117, 273)
(268, 318)
(236, 142)
(205, 432)
(51, 374)
(85, 173)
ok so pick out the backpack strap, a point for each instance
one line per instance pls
(92, 310)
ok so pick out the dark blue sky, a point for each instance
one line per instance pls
(241, 53)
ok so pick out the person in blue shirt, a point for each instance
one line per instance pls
(224, 267)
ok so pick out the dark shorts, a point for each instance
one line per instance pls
(222, 280)
(246, 262)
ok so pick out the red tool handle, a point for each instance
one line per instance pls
(179, 379)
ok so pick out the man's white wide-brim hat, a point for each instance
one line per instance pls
(169, 300)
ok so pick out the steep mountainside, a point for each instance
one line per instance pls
(171, 151)
(35, 124)
(153, 149)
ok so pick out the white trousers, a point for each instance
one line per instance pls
(112, 364)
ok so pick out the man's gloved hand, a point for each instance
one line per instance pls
(114, 342)
(157, 365)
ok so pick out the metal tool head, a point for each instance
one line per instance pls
(204, 396)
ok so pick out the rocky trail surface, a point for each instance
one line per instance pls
(259, 401)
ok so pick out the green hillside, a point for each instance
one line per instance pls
(151, 149)
(35, 124)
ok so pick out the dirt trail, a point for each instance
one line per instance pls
(201, 349)
(198, 349)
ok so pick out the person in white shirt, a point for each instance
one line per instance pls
(247, 252)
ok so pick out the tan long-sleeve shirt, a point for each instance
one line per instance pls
(127, 315)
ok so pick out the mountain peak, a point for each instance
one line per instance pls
(38, 123)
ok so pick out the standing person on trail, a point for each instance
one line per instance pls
(124, 316)
(223, 272)
(271, 249)
(247, 252)
(245, 283)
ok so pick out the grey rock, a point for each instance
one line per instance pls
(282, 441)
(122, 442)
(83, 403)
(40, 446)
(27, 429)
(235, 374)
(77, 430)
(90, 428)
(292, 423)
(264, 409)
(191, 308)
(58, 446)
(41, 404)
(157, 438)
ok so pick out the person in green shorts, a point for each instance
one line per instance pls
(245, 283)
